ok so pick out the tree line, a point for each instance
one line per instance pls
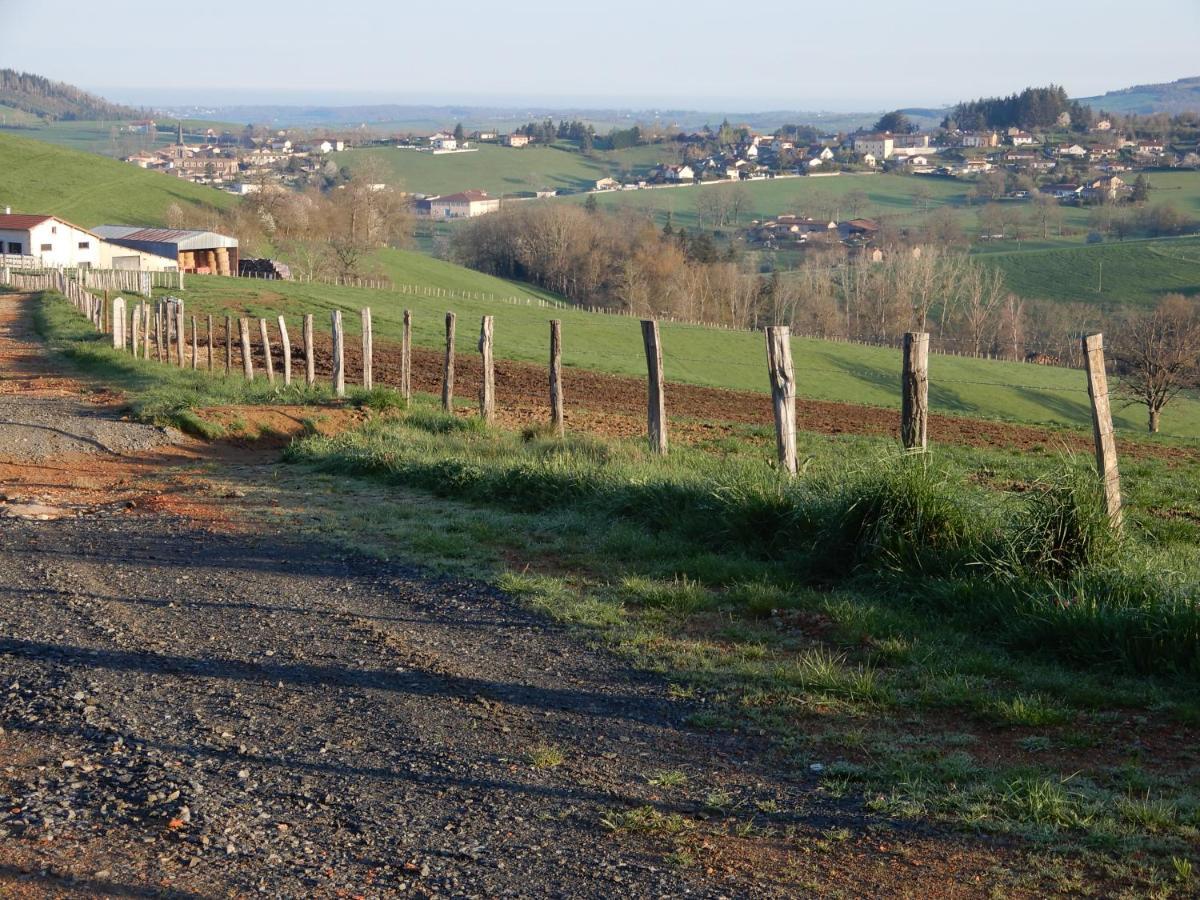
(56, 100)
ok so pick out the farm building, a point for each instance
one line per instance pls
(463, 205)
(516, 140)
(49, 239)
(203, 252)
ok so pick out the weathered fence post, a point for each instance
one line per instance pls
(339, 356)
(406, 357)
(135, 330)
(656, 407)
(368, 345)
(118, 320)
(195, 344)
(180, 332)
(783, 394)
(1102, 427)
(914, 399)
(210, 345)
(448, 369)
(556, 391)
(310, 363)
(285, 348)
(247, 360)
(487, 381)
(266, 345)
(158, 332)
(228, 345)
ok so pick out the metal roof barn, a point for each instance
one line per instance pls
(204, 252)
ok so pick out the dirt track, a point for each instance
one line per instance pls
(194, 705)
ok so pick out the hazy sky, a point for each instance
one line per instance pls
(848, 55)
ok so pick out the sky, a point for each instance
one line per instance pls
(772, 54)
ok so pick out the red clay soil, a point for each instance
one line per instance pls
(614, 405)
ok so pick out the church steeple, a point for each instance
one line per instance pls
(181, 133)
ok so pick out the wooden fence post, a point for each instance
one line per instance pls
(656, 407)
(210, 345)
(310, 364)
(247, 359)
(339, 360)
(285, 348)
(368, 345)
(1102, 427)
(783, 394)
(487, 382)
(135, 330)
(914, 398)
(162, 331)
(406, 357)
(228, 345)
(448, 370)
(266, 345)
(195, 344)
(556, 391)
(118, 324)
(180, 333)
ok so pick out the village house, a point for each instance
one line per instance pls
(1074, 150)
(1021, 138)
(516, 140)
(49, 239)
(979, 139)
(328, 147)
(1150, 148)
(1107, 189)
(679, 173)
(1064, 191)
(1102, 125)
(869, 160)
(881, 146)
(463, 205)
(607, 184)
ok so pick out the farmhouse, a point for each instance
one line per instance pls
(677, 173)
(980, 139)
(202, 252)
(53, 241)
(607, 184)
(1105, 189)
(1021, 138)
(444, 143)
(1060, 191)
(516, 140)
(463, 205)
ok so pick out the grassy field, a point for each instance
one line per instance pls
(501, 170)
(88, 190)
(955, 639)
(1111, 274)
(107, 138)
(825, 371)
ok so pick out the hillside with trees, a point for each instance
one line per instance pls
(55, 100)
(1033, 108)
(1172, 98)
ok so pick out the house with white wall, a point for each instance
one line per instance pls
(50, 240)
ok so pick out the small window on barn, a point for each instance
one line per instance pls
(47, 247)
(83, 245)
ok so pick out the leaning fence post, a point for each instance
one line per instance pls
(448, 369)
(556, 390)
(266, 345)
(339, 356)
(656, 407)
(1102, 427)
(118, 324)
(310, 365)
(783, 394)
(285, 348)
(914, 398)
(368, 344)
(406, 357)
(487, 382)
(247, 360)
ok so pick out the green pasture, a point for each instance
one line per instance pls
(849, 373)
(37, 177)
(502, 170)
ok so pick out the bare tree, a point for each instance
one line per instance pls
(982, 292)
(1158, 354)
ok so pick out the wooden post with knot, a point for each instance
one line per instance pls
(914, 397)
(783, 394)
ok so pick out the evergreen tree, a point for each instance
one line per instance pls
(1141, 188)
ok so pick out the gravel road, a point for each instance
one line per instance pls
(220, 713)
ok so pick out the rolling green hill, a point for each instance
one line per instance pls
(88, 190)
(848, 373)
(1146, 99)
(501, 170)
(1110, 274)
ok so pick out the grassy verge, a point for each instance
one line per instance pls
(955, 639)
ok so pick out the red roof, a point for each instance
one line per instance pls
(471, 196)
(20, 222)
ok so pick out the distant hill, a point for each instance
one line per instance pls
(1146, 99)
(56, 101)
(36, 177)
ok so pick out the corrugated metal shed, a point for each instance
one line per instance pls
(164, 241)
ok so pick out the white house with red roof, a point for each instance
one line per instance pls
(50, 240)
